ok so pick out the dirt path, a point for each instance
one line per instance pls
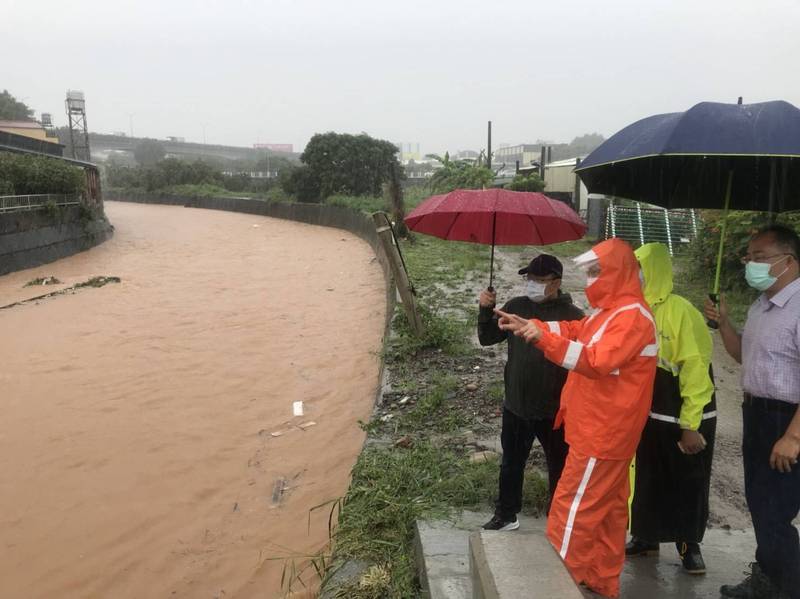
(137, 450)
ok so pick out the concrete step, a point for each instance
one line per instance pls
(506, 565)
(442, 554)
(459, 560)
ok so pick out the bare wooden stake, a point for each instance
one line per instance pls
(384, 229)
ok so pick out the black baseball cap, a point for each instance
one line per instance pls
(543, 265)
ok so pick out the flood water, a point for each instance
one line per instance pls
(137, 456)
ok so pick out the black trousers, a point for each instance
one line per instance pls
(670, 498)
(517, 438)
(773, 497)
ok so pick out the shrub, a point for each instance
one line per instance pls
(532, 182)
(23, 174)
(741, 225)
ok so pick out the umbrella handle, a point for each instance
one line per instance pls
(714, 296)
(713, 324)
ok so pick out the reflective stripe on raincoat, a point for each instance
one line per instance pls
(611, 356)
(685, 344)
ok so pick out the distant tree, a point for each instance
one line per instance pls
(583, 144)
(148, 152)
(458, 174)
(302, 183)
(12, 109)
(532, 182)
(350, 164)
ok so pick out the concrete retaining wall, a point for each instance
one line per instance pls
(36, 237)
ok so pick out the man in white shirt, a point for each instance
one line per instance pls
(769, 350)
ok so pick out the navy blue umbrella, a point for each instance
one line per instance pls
(684, 159)
(740, 156)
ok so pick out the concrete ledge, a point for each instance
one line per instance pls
(518, 564)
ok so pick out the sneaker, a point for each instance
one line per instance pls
(691, 557)
(499, 523)
(756, 585)
(639, 547)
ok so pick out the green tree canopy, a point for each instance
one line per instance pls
(349, 164)
(532, 182)
(12, 109)
(459, 174)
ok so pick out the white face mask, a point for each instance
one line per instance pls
(535, 290)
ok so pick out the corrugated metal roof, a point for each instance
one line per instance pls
(566, 162)
(21, 125)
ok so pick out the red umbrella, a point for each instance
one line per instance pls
(496, 216)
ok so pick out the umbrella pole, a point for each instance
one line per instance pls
(491, 263)
(715, 295)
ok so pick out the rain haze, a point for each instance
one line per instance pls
(240, 72)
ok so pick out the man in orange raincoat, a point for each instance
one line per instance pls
(611, 356)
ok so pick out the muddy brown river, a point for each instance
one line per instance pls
(145, 423)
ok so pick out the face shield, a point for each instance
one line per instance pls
(589, 265)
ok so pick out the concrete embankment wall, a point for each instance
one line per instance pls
(338, 217)
(34, 237)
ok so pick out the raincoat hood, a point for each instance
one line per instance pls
(656, 266)
(619, 274)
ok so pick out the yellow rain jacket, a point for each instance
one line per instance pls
(684, 344)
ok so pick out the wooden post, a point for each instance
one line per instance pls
(384, 228)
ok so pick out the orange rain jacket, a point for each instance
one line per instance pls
(611, 356)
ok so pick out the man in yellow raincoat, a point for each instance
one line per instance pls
(673, 460)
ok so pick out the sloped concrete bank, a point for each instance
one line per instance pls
(35, 237)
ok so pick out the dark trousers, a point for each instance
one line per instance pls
(773, 497)
(517, 439)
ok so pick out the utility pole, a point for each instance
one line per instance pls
(542, 161)
(489, 148)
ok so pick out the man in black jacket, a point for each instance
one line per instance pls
(532, 384)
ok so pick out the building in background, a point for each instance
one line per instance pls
(526, 154)
(408, 151)
(275, 147)
(31, 136)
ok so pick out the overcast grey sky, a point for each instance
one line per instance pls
(429, 71)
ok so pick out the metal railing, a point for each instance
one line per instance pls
(36, 201)
(639, 225)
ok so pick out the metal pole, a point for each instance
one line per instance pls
(489, 148)
(669, 231)
(613, 210)
(576, 194)
(639, 219)
(542, 161)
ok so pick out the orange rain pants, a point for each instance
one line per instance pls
(588, 520)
